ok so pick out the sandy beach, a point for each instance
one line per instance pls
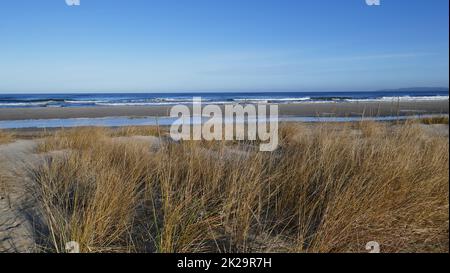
(302, 110)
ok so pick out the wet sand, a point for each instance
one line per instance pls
(368, 109)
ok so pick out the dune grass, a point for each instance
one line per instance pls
(6, 137)
(84, 137)
(328, 188)
(435, 120)
(3, 185)
(137, 131)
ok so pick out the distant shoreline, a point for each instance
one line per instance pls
(341, 109)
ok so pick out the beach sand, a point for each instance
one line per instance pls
(302, 110)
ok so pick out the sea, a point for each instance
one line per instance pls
(149, 99)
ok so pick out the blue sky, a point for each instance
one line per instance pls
(222, 45)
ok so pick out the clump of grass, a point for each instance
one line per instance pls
(6, 137)
(206, 197)
(435, 120)
(137, 131)
(392, 189)
(76, 139)
(91, 195)
(84, 138)
(3, 184)
(328, 188)
(371, 129)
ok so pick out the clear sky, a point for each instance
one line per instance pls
(222, 45)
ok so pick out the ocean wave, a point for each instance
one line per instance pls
(83, 101)
(23, 104)
(134, 103)
(93, 101)
(401, 98)
(268, 100)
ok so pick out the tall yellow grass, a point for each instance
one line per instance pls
(5, 137)
(328, 188)
(4, 189)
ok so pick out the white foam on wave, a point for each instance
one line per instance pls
(402, 98)
(265, 100)
(83, 101)
(23, 103)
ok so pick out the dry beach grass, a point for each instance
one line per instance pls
(328, 188)
(5, 137)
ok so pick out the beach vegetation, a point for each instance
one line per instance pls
(327, 188)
